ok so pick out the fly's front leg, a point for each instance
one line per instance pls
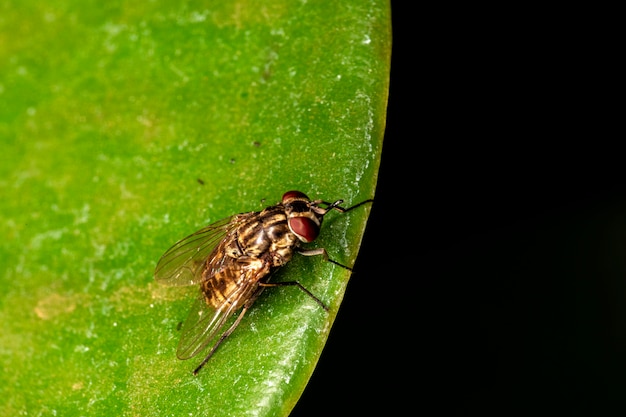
(323, 253)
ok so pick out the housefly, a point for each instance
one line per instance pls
(232, 260)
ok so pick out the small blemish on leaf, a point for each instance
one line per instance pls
(53, 306)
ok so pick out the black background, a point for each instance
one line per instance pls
(492, 277)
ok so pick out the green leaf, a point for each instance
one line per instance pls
(126, 126)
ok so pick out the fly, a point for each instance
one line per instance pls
(232, 260)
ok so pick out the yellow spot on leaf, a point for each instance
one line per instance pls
(54, 305)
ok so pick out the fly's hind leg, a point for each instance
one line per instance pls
(221, 339)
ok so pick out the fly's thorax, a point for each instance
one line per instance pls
(268, 236)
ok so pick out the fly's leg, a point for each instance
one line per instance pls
(295, 284)
(330, 206)
(324, 254)
(309, 252)
(335, 205)
(222, 338)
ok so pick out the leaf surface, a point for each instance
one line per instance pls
(127, 126)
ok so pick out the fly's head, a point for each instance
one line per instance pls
(303, 221)
(304, 216)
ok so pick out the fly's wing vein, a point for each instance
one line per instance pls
(183, 263)
(205, 322)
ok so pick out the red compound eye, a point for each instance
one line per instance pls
(293, 195)
(303, 227)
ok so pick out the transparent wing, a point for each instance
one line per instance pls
(203, 324)
(183, 263)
